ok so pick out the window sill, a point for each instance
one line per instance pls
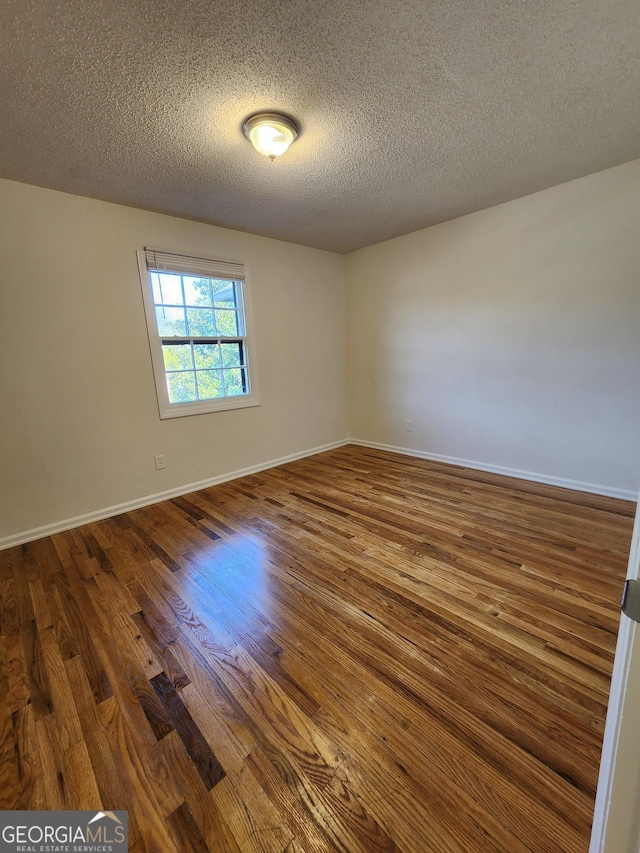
(182, 410)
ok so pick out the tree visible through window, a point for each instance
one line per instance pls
(200, 332)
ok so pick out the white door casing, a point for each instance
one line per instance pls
(616, 821)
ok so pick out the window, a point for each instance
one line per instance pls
(197, 324)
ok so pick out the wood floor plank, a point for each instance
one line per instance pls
(81, 780)
(142, 798)
(252, 830)
(51, 763)
(192, 791)
(206, 762)
(214, 714)
(29, 793)
(186, 832)
(150, 630)
(109, 779)
(80, 620)
(18, 692)
(69, 730)
(37, 676)
(9, 769)
(40, 605)
(355, 652)
(306, 826)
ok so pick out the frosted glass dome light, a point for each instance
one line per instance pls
(270, 133)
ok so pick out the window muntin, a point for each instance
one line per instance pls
(197, 331)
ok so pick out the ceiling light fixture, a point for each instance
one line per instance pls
(270, 133)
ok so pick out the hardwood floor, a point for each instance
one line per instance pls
(355, 652)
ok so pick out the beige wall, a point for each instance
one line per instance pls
(79, 422)
(510, 337)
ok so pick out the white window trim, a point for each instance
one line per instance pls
(198, 407)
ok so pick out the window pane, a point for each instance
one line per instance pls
(155, 283)
(170, 321)
(231, 354)
(170, 289)
(234, 383)
(227, 324)
(224, 293)
(201, 322)
(207, 355)
(181, 387)
(209, 384)
(197, 291)
(177, 356)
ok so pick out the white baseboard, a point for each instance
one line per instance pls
(547, 479)
(147, 500)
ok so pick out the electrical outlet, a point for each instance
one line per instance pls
(160, 466)
(408, 425)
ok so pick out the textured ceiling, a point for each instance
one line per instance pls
(412, 111)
